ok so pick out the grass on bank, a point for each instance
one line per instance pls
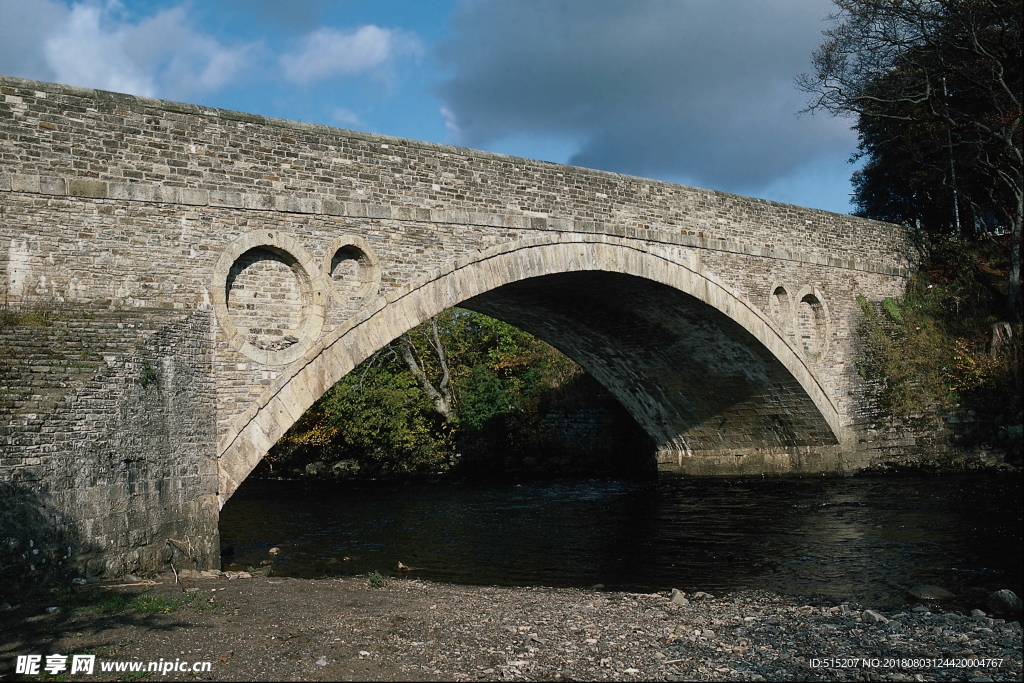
(106, 601)
(377, 580)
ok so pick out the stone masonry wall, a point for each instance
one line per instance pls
(109, 422)
(245, 249)
(60, 140)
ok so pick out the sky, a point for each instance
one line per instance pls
(698, 92)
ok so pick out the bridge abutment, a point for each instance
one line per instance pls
(109, 444)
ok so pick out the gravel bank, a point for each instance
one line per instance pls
(342, 629)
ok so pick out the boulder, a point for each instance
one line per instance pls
(872, 617)
(679, 597)
(1003, 602)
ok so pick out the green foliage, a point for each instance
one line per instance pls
(382, 415)
(106, 601)
(148, 375)
(932, 346)
(892, 308)
(376, 580)
(380, 418)
(485, 394)
(935, 87)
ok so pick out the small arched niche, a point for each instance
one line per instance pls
(812, 323)
(353, 271)
(265, 293)
(780, 306)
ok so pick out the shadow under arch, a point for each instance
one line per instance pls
(700, 368)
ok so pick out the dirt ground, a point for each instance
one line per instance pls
(268, 628)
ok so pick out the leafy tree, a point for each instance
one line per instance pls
(459, 384)
(936, 87)
(377, 416)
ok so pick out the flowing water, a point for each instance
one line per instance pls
(865, 539)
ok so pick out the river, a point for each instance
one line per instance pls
(865, 539)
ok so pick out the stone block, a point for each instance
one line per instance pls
(166, 194)
(333, 207)
(261, 202)
(51, 185)
(193, 197)
(139, 192)
(228, 199)
(25, 183)
(85, 187)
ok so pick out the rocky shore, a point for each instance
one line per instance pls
(267, 628)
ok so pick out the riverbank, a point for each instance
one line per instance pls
(344, 629)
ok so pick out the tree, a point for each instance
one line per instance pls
(936, 86)
(442, 395)
(459, 383)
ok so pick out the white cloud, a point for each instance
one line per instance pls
(345, 117)
(81, 52)
(328, 52)
(21, 29)
(93, 44)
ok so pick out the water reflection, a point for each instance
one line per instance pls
(865, 539)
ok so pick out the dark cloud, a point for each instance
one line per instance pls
(694, 90)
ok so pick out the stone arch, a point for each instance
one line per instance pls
(473, 277)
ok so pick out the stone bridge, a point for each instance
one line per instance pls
(209, 274)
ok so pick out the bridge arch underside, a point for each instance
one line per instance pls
(696, 381)
(709, 378)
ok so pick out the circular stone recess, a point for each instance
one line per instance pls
(264, 298)
(353, 270)
(269, 297)
(813, 328)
